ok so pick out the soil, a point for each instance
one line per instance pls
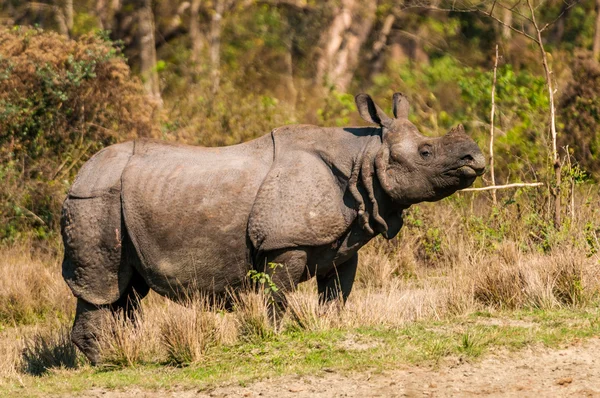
(534, 372)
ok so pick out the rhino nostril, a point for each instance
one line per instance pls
(467, 158)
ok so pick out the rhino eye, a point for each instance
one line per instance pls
(426, 152)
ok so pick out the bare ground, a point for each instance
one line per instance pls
(534, 372)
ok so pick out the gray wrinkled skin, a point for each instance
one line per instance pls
(173, 218)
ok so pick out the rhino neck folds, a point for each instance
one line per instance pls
(362, 183)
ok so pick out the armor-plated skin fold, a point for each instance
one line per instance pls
(174, 218)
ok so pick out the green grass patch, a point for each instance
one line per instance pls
(295, 352)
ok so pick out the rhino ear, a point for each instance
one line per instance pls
(369, 111)
(401, 106)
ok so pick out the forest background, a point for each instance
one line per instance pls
(221, 72)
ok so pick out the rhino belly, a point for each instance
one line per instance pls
(188, 221)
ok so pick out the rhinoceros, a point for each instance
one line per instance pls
(147, 215)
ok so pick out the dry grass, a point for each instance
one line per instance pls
(32, 287)
(188, 331)
(125, 342)
(472, 261)
(253, 316)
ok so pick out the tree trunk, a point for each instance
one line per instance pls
(215, 43)
(377, 55)
(148, 51)
(69, 15)
(340, 47)
(507, 18)
(597, 35)
(195, 32)
(292, 93)
(106, 11)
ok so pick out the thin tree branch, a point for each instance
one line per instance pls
(507, 186)
(492, 114)
(521, 32)
(573, 4)
(516, 12)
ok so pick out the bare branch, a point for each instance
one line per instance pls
(515, 6)
(521, 32)
(573, 4)
(507, 186)
(515, 11)
(492, 114)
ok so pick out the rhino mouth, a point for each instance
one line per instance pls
(465, 171)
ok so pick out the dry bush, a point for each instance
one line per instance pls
(32, 288)
(381, 265)
(225, 118)
(394, 305)
(519, 261)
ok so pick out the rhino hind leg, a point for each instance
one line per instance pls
(90, 318)
(96, 264)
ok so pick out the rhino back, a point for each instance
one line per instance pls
(186, 210)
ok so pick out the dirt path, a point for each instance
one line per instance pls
(572, 371)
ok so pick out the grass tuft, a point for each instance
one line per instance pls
(49, 349)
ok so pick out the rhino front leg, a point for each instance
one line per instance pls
(340, 280)
(287, 268)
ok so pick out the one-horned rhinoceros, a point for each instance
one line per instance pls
(150, 215)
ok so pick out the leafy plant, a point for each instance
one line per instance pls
(264, 279)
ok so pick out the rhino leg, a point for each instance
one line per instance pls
(287, 268)
(88, 320)
(340, 280)
(89, 317)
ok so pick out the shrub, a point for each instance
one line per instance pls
(60, 101)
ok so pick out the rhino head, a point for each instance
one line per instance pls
(413, 168)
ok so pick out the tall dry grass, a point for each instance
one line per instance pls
(451, 258)
(31, 287)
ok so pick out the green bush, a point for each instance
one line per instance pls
(60, 101)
